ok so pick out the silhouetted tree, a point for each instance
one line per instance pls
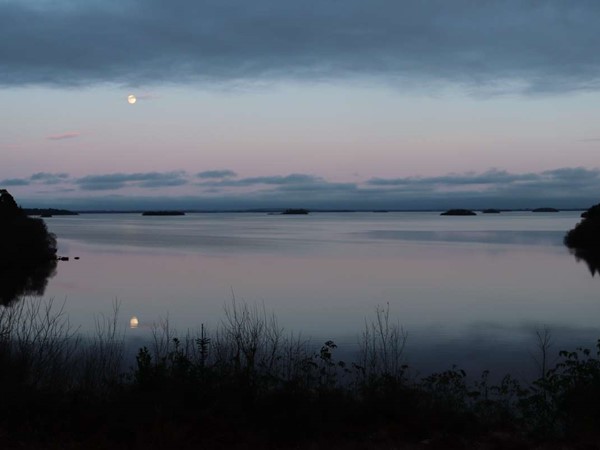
(586, 234)
(8, 207)
(27, 251)
(584, 239)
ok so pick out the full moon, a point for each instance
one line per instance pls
(131, 99)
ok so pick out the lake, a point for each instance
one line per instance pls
(467, 290)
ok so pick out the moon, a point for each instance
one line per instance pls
(131, 99)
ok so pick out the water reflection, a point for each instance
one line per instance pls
(518, 237)
(18, 281)
(591, 258)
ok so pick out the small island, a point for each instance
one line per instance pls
(295, 211)
(163, 213)
(458, 212)
(545, 210)
(491, 211)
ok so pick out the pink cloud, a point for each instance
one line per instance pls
(68, 135)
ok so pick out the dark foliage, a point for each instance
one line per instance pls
(205, 393)
(176, 402)
(586, 234)
(584, 239)
(592, 213)
(27, 249)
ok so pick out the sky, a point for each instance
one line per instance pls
(389, 104)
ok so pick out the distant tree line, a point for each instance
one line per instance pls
(48, 212)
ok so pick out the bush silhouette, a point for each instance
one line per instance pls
(586, 234)
(584, 240)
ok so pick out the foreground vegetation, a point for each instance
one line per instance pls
(248, 385)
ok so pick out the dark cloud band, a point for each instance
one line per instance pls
(116, 181)
(498, 45)
(571, 186)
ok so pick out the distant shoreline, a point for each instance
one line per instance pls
(280, 210)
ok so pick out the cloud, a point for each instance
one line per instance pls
(491, 176)
(557, 183)
(14, 182)
(49, 178)
(292, 179)
(216, 174)
(566, 187)
(39, 178)
(164, 182)
(116, 181)
(494, 46)
(60, 137)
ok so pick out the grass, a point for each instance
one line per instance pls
(249, 384)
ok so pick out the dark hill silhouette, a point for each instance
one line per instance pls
(27, 252)
(584, 239)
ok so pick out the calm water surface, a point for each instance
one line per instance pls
(468, 290)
